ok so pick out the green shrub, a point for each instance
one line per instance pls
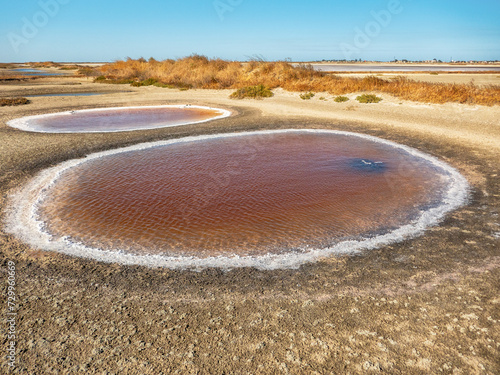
(121, 81)
(103, 79)
(307, 95)
(149, 82)
(322, 98)
(146, 82)
(368, 98)
(341, 99)
(256, 92)
(163, 85)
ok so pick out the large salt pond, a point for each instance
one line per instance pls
(267, 199)
(104, 120)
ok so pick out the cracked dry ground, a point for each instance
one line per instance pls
(425, 305)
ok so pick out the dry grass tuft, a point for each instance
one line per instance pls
(307, 95)
(341, 99)
(13, 101)
(201, 72)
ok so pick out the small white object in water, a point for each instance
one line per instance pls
(370, 162)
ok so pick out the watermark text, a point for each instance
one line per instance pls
(11, 315)
(31, 25)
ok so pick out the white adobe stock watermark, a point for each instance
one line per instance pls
(31, 26)
(224, 6)
(380, 20)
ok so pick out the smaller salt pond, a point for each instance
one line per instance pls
(105, 120)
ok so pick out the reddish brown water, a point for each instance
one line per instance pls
(122, 119)
(245, 195)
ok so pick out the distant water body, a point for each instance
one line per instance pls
(36, 72)
(402, 68)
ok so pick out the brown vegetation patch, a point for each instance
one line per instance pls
(13, 101)
(201, 72)
(44, 64)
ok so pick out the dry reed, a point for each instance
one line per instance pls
(201, 72)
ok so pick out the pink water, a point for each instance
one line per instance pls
(248, 195)
(121, 119)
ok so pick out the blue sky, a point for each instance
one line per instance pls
(106, 30)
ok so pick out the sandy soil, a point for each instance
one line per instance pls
(426, 305)
(480, 79)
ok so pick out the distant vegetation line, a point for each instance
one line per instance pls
(197, 71)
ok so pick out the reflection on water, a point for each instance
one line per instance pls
(248, 195)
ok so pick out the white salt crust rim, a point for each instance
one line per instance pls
(23, 221)
(28, 123)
